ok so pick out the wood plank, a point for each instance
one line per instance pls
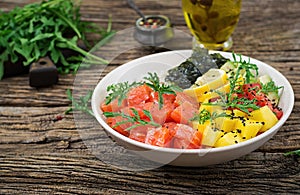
(44, 151)
(68, 171)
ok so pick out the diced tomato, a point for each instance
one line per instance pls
(263, 100)
(160, 136)
(121, 128)
(184, 113)
(139, 95)
(113, 106)
(278, 112)
(182, 97)
(237, 95)
(251, 87)
(187, 138)
(250, 90)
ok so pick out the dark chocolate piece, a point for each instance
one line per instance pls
(43, 73)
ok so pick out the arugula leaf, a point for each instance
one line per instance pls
(295, 152)
(204, 115)
(80, 105)
(250, 70)
(270, 87)
(1, 70)
(119, 91)
(246, 70)
(46, 28)
(153, 81)
(134, 120)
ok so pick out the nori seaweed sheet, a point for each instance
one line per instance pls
(195, 66)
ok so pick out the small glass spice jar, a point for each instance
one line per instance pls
(154, 30)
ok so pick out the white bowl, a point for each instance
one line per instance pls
(135, 70)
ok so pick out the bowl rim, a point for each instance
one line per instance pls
(288, 89)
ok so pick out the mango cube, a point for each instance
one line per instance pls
(248, 128)
(210, 135)
(264, 115)
(225, 123)
(229, 138)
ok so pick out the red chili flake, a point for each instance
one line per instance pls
(58, 118)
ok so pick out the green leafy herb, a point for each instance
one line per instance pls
(80, 105)
(244, 69)
(47, 28)
(205, 115)
(119, 91)
(229, 101)
(153, 81)
(242, 104)
(202, 117)
(250, 70)
(134, 120)
(270, 87)
(295, 152)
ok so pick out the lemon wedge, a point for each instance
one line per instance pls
(197, 91)
(212, 79)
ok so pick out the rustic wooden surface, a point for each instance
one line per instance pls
(42, 155)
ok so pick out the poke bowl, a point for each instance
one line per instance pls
(160, 64)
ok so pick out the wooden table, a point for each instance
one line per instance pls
(40, 154)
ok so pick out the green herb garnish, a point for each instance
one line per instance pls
(202, 117)
(80, 105)
(295, 152)
(205, 115)
(270, 87)
(244, 69)
(119, 91)
(47, 28)
(250, 70)
(153, 81)
(134, 120)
